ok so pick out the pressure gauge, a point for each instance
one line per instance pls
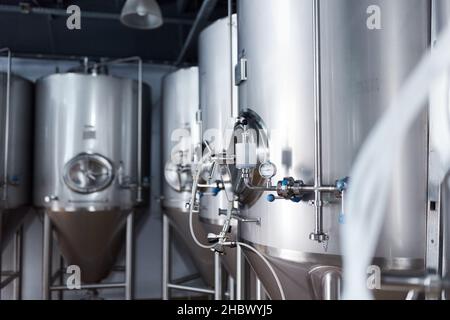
(267, 170)
(88, 173)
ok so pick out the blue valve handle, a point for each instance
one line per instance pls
(272, 198)
(296, 199)
(216, 191)
(342, 184)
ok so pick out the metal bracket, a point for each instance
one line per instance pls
(241, 71)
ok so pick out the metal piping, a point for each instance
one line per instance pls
(129, 257)
(47, 248)
(4, 8)
(234, 113)
(165, 258)
(201, 19)
(318, 234)
(7, 120)
(217, 277)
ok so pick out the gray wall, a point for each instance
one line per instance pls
(148, 232)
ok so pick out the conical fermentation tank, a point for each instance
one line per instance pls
(88, 163)
(180, 140)
(16, 123)
(218, 118)
(367, 50)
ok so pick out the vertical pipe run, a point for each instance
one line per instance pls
(46, 260)
(129, 258)
(234, 112)
(7, 120)
(140, 112)
(217, 277)
(318, 229)
(61, 277)
(165, 258)
(1, 236)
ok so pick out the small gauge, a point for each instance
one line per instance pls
(267, 170)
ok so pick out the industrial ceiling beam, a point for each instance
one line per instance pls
(200, 21)
(4, 8)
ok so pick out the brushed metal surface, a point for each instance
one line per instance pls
(180, 98)
(217, 115)
(92, 114)
(20, 140)
(362, 70)
(14, 209)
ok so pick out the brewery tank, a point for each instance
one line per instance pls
(180, 139)
(363, 65)
(86, 167)
(15, 153)
(216, 83)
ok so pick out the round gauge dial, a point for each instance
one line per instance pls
(267, 170)
(88, 173)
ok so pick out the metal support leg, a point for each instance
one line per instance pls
(217, 277)
(61, 277)
(47, 255)
(231, 288)
(165, 258)
(240, 274)
(1, 262)
(332, 286)
(259, 290)
(129, 258)
(18, 263)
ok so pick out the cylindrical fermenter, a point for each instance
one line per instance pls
(86, 163)
(17, 195)
(362, 69)
(217, 115)
(442, 19)
(180, 139)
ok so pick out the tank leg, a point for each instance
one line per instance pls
(46, 259)
(259, 290)
(231, 288)
(331, 283)
(129, 258)
(165, 258)
(18, 238)
(240, 274)
(1, 236)
(217, 277)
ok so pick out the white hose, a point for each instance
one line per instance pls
(194, 237)
(191, 209)
(280, 287)
(372, 172)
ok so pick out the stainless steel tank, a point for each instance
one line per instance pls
(86, 163)
(180, 137)
(362, 69)
(215, 65)
(15, 154)
(442, 19)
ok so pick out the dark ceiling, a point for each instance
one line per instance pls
(27, 27)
